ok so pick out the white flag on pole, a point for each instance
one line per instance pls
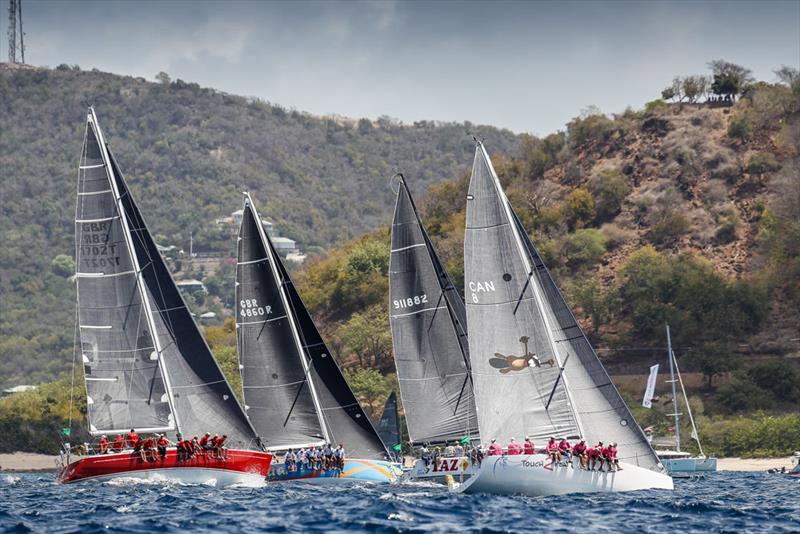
(647, 402)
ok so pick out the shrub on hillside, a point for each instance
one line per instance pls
(616, 235)
(742, 126)
(669, 228)
(762, 162)
(594, 129)
(584, 247)
(579, 208)
(609, 188)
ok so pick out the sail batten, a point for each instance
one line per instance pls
(428, 323)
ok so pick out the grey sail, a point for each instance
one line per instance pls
(515, 366)
(200, 396)
(277, 388)
(428, 322)
(124, 383)
(389, 424)
(346, 423)
(580, 402)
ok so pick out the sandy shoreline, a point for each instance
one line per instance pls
(28, 461)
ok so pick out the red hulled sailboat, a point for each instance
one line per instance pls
(146, 364)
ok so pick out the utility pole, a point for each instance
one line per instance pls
(12, 31)
(14, 13)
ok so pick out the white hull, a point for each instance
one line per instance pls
(193, 475)
(689, 465)
(459, 468)
(534, 475)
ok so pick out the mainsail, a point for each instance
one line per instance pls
(429, 336)
(529, 335)
(321, 390)
(189, 378)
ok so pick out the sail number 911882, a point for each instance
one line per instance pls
(409, 302)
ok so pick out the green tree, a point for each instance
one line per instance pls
(609, 188)
(584, 247)
(713, 359)
(63, 265)
(729, 78)
(579, 208)
(366, 335)
(370, 387)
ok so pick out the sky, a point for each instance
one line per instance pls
(527, 66)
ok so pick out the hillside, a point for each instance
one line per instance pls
(187, 153)
(684, 213)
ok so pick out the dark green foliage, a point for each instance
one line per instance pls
(758, 435)
(593, 129)
(729, 78)
(583, 247)
(762, 386)
(610, 188)
(579, 208)
(762, 162)
(187, 152)
(712, 359)
(685, 292)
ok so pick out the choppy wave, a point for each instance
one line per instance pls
(743, 502)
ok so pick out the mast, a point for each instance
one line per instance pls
(290, 313)
(695, 435)
(534, 286)
(135, 260)
(672, 381)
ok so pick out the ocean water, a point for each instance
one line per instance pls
(722, 502)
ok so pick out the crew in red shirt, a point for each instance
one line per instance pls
(204, 444)
(579, 452)
(132, 440)
(602, 454)
(148, 450)
(495, 449)
(162, 444)
(552, 450)
(564, 449)
(612, 458)
(514, 448)
(528, 447)
(103, 444)
(119, 444)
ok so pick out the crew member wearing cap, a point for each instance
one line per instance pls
(514, 448)
(552, 450)
(495, 449)
(528, 447)
(579, 452)
(103, 445)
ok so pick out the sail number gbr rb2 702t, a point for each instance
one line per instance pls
(95, 249)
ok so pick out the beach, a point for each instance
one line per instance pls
(27, 461)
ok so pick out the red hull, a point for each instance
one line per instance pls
(239, 462)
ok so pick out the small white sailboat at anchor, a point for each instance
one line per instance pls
(675, 460)
(514, 305)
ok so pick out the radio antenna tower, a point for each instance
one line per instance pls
(14, 13)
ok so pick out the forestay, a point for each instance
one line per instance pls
(200, 396)
(429, 337)
(124, 384)
(277, 389)
(518, 389)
